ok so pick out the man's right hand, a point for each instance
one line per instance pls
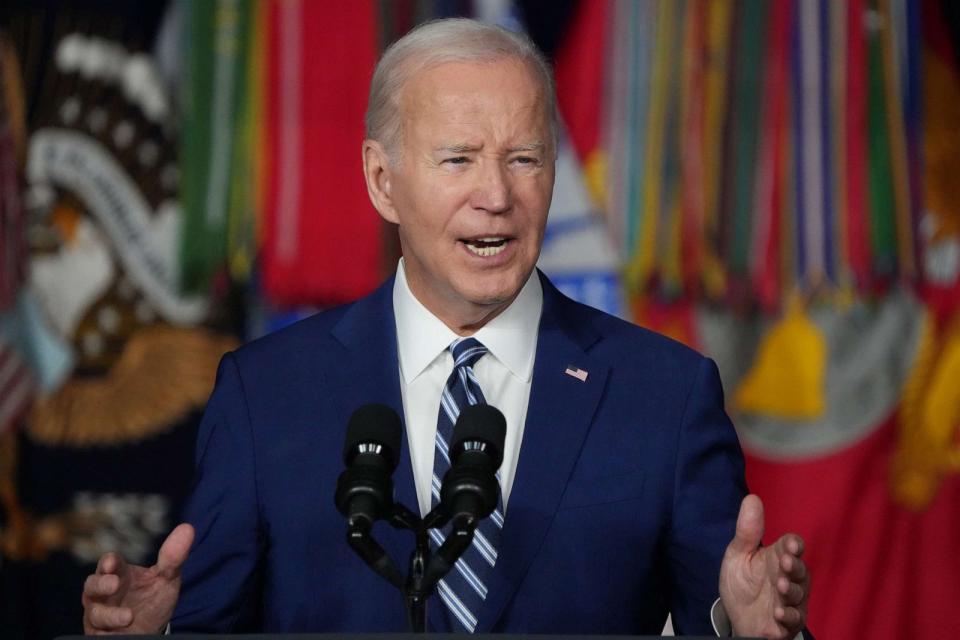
(126, 598)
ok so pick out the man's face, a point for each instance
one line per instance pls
(472, 185)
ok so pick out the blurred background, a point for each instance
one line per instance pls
(770, 181)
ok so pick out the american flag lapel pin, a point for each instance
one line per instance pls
(576, 372)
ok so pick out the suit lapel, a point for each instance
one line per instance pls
(368, 372)
(559, 414)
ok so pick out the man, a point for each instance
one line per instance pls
(622, 476)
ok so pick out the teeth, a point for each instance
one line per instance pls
(486, 252)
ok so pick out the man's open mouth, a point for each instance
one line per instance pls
(486, 247)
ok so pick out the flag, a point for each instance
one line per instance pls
(868, 480)
(580, 70)
(576, 372)
(16, 387)
(216, 157)
(17, 384)
(122, 368)
(321, 236)
(577, 251)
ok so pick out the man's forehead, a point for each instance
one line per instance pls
(459, 86)
(450, 101)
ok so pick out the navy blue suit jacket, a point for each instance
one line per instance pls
(625, 497)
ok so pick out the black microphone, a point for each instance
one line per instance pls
(372, 450)
(470, 488)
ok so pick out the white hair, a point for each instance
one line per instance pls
(438, 42)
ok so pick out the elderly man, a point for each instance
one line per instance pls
(622, 477)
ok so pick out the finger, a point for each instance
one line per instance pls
(791, 593)
(793, 544)
(790, 617)
(793, 567)
(174, 551)
(100, 586)
(109, 562)
(749, 526)
(106, 618)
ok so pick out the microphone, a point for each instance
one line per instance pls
(371, 452)
(470, 489)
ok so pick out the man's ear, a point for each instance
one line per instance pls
(378, 174)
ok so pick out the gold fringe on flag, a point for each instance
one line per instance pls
(163, 374)
(928, 447)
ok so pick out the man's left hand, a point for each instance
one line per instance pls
(764, 590)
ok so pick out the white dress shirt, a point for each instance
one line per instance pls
(505, 374)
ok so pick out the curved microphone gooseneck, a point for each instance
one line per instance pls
(365, 489)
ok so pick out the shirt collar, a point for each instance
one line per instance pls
(511, 337)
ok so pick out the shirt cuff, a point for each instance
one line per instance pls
(721, 623)
(719, 619)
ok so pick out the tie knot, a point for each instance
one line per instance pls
(466, 352)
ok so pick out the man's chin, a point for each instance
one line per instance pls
(493, 296)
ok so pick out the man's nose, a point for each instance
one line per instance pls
(492, 193)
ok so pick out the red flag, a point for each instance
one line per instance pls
(879, 570)
(321, 235)
(579, 73)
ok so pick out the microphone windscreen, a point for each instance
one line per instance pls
(375, 423)
(481, 422)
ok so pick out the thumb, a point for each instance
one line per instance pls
(174, 551)
(749, 526)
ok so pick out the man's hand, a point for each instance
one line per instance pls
(763, 589)
(126, 598)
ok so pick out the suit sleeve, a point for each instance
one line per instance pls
(709, 485)
(220, 588)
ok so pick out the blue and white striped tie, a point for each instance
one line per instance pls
(464, 589)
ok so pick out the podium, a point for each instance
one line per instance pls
(385, 636)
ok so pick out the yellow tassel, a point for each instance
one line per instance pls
(941, 411)
(714, 276)
(787, 378)
(927, 448)
(595, 175)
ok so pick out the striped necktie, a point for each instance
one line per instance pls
(464, 589)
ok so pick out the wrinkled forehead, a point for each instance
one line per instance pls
(505, 93)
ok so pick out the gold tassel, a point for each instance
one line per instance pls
(595, 176)
(787, 379)
(927, 447)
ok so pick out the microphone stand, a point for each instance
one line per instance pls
(414, 592)
(370, 551)
(426, 568)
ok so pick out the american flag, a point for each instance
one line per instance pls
(16, 381)
(13, 245)
(16, 386)
(576, 372)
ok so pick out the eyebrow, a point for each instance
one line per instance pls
(469, 148)
(532, 146)
(459, 148)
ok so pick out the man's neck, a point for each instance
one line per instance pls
(463, 319)
(468, 325)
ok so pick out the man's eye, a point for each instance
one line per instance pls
(526, 160)
(456, 160)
